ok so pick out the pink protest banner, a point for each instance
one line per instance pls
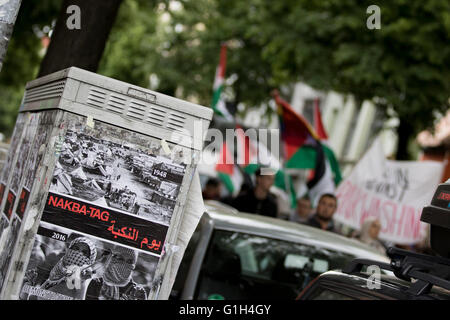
(393, 191)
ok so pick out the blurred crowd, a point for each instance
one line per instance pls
(261, 198)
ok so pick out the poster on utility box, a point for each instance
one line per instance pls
(105, 219)
(21, 181)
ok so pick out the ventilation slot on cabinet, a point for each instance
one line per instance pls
(176, 121)
(136, 110)
(116, 104)
(96, 98)
(156, 116)
(48, 91)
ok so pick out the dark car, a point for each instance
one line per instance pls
(234, 255)
(415, 276)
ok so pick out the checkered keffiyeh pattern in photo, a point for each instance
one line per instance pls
(71, 257)
(76, 257)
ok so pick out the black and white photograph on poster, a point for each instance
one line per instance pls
(4, 223)
(13, 147)
(19, 167)
(37, 151)
(25, 149)
(17, 135)
(32, 142)
(8, 196)
(118, 176)
(5, 257)
(73, 266)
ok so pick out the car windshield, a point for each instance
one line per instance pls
(245, 266)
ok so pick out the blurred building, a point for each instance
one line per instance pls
(351, 128)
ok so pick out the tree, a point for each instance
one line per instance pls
(324, 43)
(327, 44)
(130, 51)
(80, 35)
(23, 57)
(82, 48)
(179, 44)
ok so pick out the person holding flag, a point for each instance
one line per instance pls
(235, 175)
(258, 199)
(218, 103)
(228, 172)
(302, 149)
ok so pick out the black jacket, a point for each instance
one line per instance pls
(247, 202)
(314, 222)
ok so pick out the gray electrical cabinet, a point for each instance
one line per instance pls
(93, 188)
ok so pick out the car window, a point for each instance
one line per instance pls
(243, 266)
(340, 291)
(327, 294)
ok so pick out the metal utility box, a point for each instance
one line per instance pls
(93, 188)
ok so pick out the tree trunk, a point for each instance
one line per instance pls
(80, 47)
(404, 132)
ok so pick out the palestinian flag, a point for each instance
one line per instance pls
(321, 132)
(231, 171)
(302, 149)
(251, 155)
(295, 130)
(218, 104)
(266, 159)
(285, 183)
(305, 158)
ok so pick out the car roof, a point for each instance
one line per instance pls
(390, 286)
(228, 218)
